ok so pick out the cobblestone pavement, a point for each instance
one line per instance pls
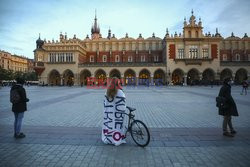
(63, 129)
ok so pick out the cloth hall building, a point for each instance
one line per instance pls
(191, 57)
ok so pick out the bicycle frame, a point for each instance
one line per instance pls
(130, 120)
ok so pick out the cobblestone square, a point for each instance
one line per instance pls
(63, 128)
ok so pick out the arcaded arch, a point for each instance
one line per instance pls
(240, 76)
(177, 77)
(115, 73)
(193, 77)
(54, 78)
(84, 75)
(100, 76)
(159, 77)
(144, 77)
(226, 73)
(130, 77)
(68, 78)
(208, 75)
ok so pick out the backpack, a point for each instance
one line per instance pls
(15, 96)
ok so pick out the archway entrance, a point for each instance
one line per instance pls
(193, 77)
(100, 76)
(83, 77)
(68, 78)
(144, 77)
(159, 77)
(208, 76)
(226, 73)
(54, 78)
(177, 77)
(115, 73)
(130, 78)
(240, 76)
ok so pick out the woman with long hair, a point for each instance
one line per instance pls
(113, 130)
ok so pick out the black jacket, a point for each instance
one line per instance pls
(231, 109)
(22, 106)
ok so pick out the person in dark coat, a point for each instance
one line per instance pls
(19, 108)
(244, 87)
(230, 108)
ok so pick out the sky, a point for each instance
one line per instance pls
(21, 21)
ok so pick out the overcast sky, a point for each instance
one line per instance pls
(21, 21)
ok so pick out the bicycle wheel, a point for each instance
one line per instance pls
(140, 133)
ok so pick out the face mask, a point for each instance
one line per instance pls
(230, 82)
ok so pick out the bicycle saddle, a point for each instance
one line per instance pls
(130, 108)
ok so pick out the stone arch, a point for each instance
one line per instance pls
(240, 76)
(144, 77)
(208, 76)
(100, 76)
(226, 73)
(159, 77)
(193, 77)
(130, 77)
(115, 73)
(68, 77)
(54, 78)
(84, 75)
(177, 77)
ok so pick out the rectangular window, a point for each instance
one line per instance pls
(237, 57)
(193, 52)
(104, 58)
(130, 59)
(156, 58)
(180, 53)
(117, 58)
(143, 58)
(224, 57)
(205, 53)
(92, 59)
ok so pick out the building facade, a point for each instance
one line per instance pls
(190, 57)
(15, 62)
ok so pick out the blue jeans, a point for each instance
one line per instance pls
(18, 122)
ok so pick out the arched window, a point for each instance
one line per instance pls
(91, 58)
(143, 58)
(130, 59)
(117, 58)
(237, 56)
(156, 58)
(224, 57)
(197, 34)
(189, 34)
(104, 58)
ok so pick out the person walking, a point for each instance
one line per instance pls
(113, 128)
(229, 108)
(19, 105)
(244, 87)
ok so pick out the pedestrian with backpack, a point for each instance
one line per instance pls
(19, 105)
(227, 107)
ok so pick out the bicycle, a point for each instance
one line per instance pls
(138, 130)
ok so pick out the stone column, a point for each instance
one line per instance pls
(123, 79)
(61, 79)
(151, 81)
(185, 80)
(200, 76)
(76, 79)
(137, 81)
(233, 76)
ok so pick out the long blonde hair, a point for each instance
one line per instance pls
(112, 87)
